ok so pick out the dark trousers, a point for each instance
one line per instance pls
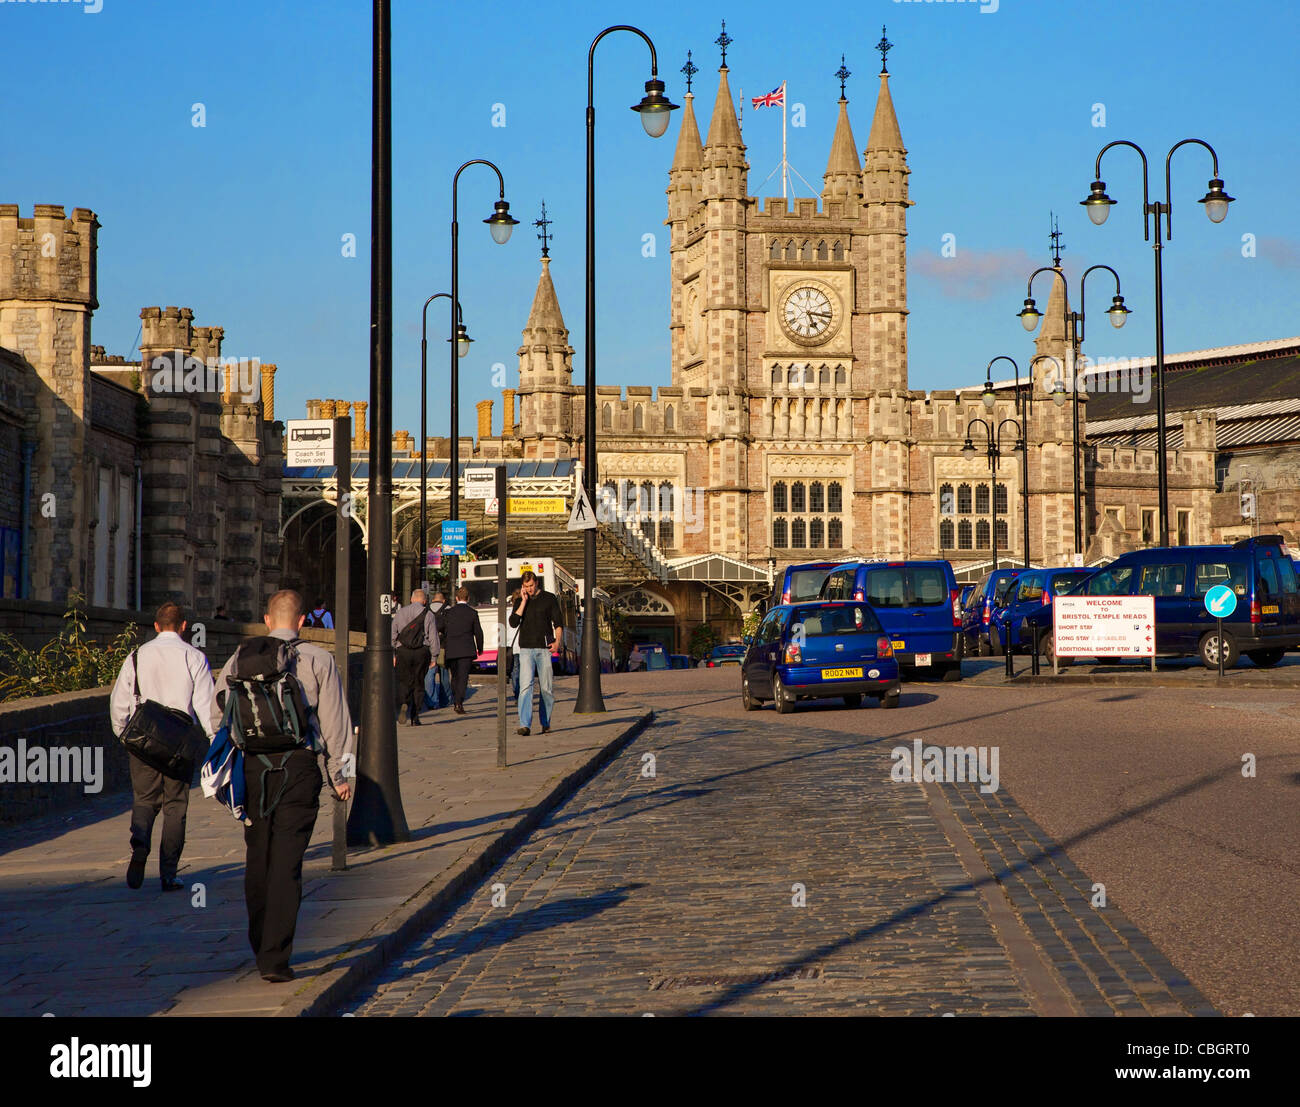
(154, 792)
(411, 667)
(460, 667)
(275, 847)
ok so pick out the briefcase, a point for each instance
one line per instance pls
(162, 737)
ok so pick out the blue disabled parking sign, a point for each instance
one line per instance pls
(455, 537)
(1220, 601)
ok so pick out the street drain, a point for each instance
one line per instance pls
(726, 980)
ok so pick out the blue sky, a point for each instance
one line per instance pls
(243, 219)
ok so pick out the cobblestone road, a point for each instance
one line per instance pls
(677, 893)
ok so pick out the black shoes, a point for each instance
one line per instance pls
(546, 730)
(459, 709)
(170, 885)
(135, 870)
(415, 720)
(279, 976)
(524, 731)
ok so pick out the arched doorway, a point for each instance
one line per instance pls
(650, 618)
(307, 559)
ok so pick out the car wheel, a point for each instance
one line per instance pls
(1209, 651)
(1266, 659)
(747, 697)
(890, 700)
(781, 696)
(853, 699)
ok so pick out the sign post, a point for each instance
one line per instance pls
(342, 461)
(504, 658)
(1221, 602)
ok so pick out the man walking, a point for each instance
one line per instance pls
(464, 642)
(539, 620)
(321, 617)
(437, 684)
(415, 640)
(173, 673)
(283, 800)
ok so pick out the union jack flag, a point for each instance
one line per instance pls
(776, 96)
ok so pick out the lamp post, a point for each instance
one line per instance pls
(1098, 206)
(377, 817)
(1074, 335)
(1024, 409)
(500, 223)
(994, 451)
(654, 109)
(462, 341)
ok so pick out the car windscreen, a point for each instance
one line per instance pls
(806, 584)
(837, 619)
(1002, 589)
(1066, 582)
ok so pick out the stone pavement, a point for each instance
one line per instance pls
(1170, 672)
(75, 940)
(681, 894)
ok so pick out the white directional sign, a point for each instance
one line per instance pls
(480, 484)
(1104, 626)
(309, 442)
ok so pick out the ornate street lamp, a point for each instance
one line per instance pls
(462, 348)
(993, 449)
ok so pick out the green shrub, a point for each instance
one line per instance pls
(703, 638)
(68, 663)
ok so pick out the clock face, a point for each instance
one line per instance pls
(807, 313)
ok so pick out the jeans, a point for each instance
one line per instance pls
(535, 662)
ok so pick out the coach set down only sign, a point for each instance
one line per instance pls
(1105, 626)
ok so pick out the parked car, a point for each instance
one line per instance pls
(917, 602)
(977, 611)
(724, 655)
(1260, 571)
(679, 661)
(966, 590)
(802, 582)
(1028, 603)
(819, 650)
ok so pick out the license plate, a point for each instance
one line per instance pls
(898, 644)
(923, 659)
(1270, 609)
(841, 674)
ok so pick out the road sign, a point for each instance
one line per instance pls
(536, 505)
(455, 537)
(492, 506)
(1220, 601)
(582, 517)
(309, 442)
(1104, 626)
(480, 484)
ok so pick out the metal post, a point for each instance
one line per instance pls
(342, 603)
(1220, 651)
(1162, 470)
(993, 492)
(453, 474)
(377, 817)
(503, 638)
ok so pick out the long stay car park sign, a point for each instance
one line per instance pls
(1104, 626)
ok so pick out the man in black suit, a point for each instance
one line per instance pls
(463, 642)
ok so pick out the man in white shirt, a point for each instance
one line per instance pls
(175, 674)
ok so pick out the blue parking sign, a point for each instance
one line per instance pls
(455, 537)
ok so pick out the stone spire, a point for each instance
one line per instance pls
(545, 322)
(885, 135)
(724, 151)
(689, 156)
(843, 177)
(545, 370)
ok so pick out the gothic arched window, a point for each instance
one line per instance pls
(1002, 534)
(791, 251)
(1000, 498)
(963, 535)
(806, 252)
(779, 534)
(647, 497)
(815, 535)
(835, 496)
(945, 534)
(638, 418)
(821, 251)
(837, 251)
(668, 418)
(841, 377)
(982, 534)
(816, 499)
(666, 539)
(797, 500)
(835, 534)
(947, 502)
(778, 498)
(606, 417)
(666, 498)
(797, 540)
(824, 376)
(981, 498)
(775, 252)
(796, 375)
(963, 502)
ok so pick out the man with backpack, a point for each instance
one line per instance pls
(320, 617)
(284, 703)
(415, 641)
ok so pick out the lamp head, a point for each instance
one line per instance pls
(655, 108)
(989, 396)
(968, 450)
(462, 341)
(1029, 315)
(501, 222)
(1117, 311)
(1058, 393)
(1098, 203)
(1216, 201)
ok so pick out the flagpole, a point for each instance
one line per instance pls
(785, 165)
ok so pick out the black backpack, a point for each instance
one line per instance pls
(412, 635)
(269, 712)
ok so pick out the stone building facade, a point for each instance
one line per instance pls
(132, 484)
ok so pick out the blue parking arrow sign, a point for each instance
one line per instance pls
(1220, 601)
